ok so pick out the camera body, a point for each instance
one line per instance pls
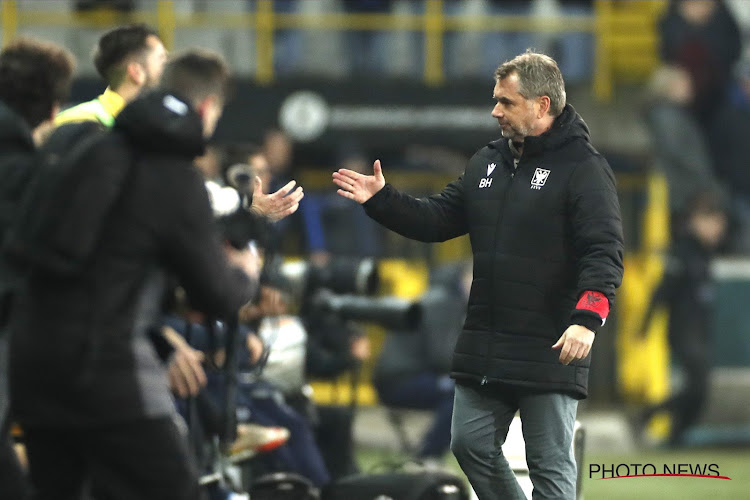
(231, 207)
(345, 287)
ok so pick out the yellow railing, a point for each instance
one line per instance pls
(624, 31)
(627, 42)
(643, 363)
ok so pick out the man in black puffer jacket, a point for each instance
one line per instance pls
(86, 384)
(541, 209)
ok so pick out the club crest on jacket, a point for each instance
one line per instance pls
(540, 177)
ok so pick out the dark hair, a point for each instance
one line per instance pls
(34, 77)
(117, 46)
(705, 202)
(538, 75)
(196, 74)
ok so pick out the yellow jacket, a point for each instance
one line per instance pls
(103, 109)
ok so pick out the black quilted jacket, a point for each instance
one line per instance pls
(542, 233)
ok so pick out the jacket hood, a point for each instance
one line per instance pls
(14, 132)
(163, 122)
(567, 127)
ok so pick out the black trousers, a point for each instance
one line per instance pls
(144, 460)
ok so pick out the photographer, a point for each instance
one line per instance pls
(260, 405)
(413, 370)
(335, 345)
(282, 435)
(34, 80)
(86, 384)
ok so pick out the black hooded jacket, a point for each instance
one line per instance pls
(17, 160)
(80, 353)
(542, 234)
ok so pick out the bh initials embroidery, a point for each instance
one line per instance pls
(487, 181)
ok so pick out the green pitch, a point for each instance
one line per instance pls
(734, 463)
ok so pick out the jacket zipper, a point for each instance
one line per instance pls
(487, 357)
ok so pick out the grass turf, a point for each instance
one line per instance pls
(734, 463)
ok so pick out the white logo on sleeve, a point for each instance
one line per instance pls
(540, 177)
(175, 105)
(490, 168)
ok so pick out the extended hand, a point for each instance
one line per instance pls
(575, 343)
(278, 205)
(359, 187)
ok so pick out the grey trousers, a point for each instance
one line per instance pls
(481, 417)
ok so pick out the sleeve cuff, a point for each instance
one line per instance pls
(377, 200)
(591, 310)
(586, 319)
(161, 345)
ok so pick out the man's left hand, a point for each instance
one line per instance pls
(575, 343)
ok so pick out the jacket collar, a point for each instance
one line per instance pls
(112, 102)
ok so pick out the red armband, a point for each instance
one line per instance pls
(595, 302)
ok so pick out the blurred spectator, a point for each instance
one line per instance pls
(288, 44)
(501, 46)
(367, 48)
(687, 292)
(575, 50)
(345, 231)
(679, 144)
(278, 151)
(474, 55)
(740, 10)
(224, 200)
(703, 37)
(130, 59)
(334, 347)
(210, 162)
(120, 5)
(34, 81)
(241, 163)
(310, 52)
(462, 48)
(258, 403)
(728, 132)
(95, 393)
(413, 370)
